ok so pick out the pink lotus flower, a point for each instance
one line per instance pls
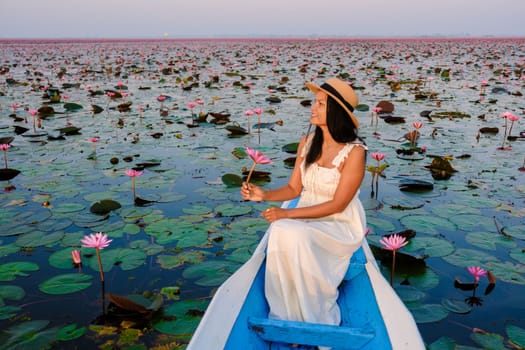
(32, 112)
(97, 241)
(15, 106)
(378, 156)
(133, 174)
(75, 255)
(477, 272)
(258, 158)
(111, 94)
(4, 147)
(393, 243)
(377, 109)
(161, 98)
(191, 105)
(94, 140)
(258, 111)
(417, 125)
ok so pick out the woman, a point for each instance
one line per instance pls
(310, 246)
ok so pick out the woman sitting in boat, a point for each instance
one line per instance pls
(310, 246)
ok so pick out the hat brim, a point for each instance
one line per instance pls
(315, 88)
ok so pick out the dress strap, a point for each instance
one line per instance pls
(343, 153)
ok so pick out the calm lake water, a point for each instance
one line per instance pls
(192, 230)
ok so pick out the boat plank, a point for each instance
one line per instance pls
(306, 333)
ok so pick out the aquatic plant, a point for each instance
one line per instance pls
(376, 171)
(248, 113)
(133, 174)
(258, 158)
(394, 243)
(4, 147)
(98, 241)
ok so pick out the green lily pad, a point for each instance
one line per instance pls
(11, 293)
(230, 210)
(28, 335)
(409, 294)
(381, 225)
(428, 313)
(8, 249)
(427, 224)
(104, 207)
(291, 147)
(469, 257)
(147, 247)
(65, 208)
(489, 341)
(443, 343)
(431, 246)
(457, 306)
(516, 335)
(517, 231)
(72, 107)
(39, 239)
(210, 273)
(489, 240)
(8, 311)
(70, 332)
(174, 261)
(469, 222)
(518, 254)
(125, 258)
(232, 180)
(197, 210)
(186, 315)
(66, 283)
(9, 271)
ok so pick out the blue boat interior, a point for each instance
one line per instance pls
(362, 325)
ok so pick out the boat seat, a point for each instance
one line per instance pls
(314, 334)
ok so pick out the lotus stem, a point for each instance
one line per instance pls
(100, 266)
(251, 172)
(133, 188)
(393, 267)
(5, 158)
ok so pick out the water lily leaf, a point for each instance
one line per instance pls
(409, 294)
(39, 239)
(229, 209)
(65, 208)
(290, 148)
(20, 336)
(186, 320)
(381, 225)
(72, 107)
(516, 335)
(147, 247)
(469, 222)
(197, 210)
(163, 230)
(428, 313)
(427, 224)
(457, 306)
(210, 273)
(468, 257)
(451, 209)
(489, 341)
(125, 258)
(9, 271)
(8, 249)
(508, 272)
(240, 152)
(104, 206)
(518, 254)
(232, 180)
(431, 246)
(488, 240)
(174, 261)
(70, 332)
(62, 259)
(66, 283)
(8, 311)
(362, 107)
(11, 293)
(517, 231)
(443, 343)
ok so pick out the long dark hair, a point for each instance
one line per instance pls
(339, 125)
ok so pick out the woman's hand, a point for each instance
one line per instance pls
(274, 213)
(251, 192)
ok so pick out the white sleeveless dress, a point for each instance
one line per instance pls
(308, 258)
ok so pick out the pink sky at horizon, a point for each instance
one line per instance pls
(257, 18)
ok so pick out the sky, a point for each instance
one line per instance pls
(259, 18)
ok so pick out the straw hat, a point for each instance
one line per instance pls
(341, 92)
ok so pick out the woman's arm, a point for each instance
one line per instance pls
(289, 191)
(352, 174)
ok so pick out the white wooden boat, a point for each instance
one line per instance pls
(373, 316)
